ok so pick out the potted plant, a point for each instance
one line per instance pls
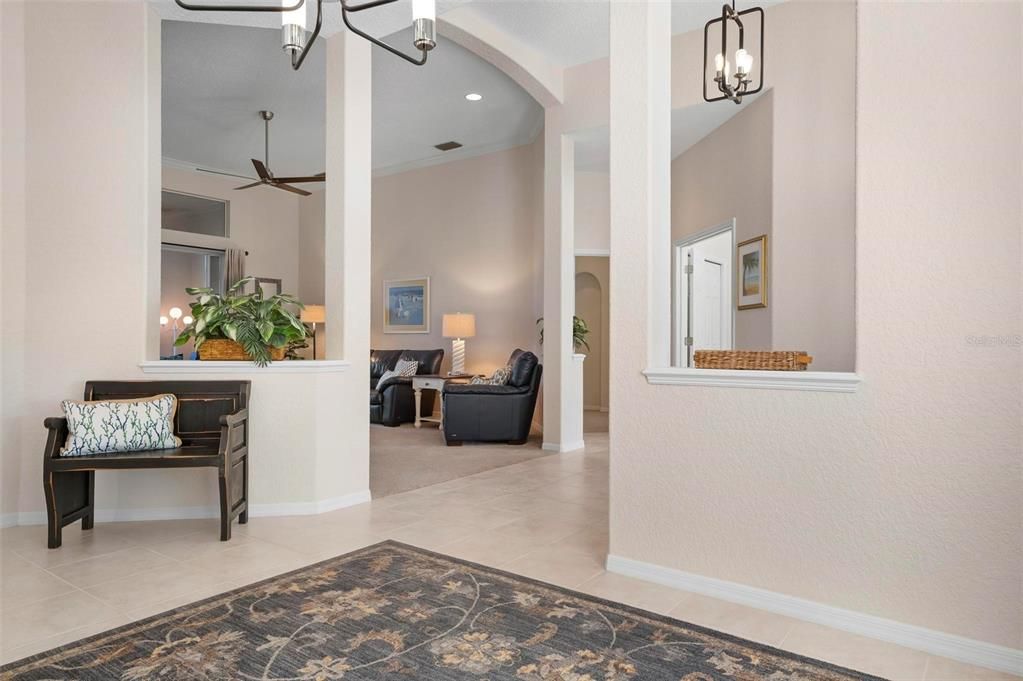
(579, 332)
(242, 326)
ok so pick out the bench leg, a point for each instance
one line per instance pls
(88, 519)
(243, 517)
(53, 519)
(225, 507)
(70, 495)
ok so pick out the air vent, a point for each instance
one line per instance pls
(447, 146)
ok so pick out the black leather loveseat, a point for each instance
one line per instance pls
(395, 404)
(494, 413)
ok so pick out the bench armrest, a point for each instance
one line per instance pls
(232, 442)
(56, 436)
(235, 418)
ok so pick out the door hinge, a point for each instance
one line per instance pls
(689, 340)
(688, 269)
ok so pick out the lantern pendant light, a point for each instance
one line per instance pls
(729, 85)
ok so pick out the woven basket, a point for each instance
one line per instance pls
(224, 349)
(764, 360)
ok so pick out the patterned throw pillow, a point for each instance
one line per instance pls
(405, 368)
(132, 425)
(499, 377)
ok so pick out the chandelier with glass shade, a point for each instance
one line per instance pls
(296, 39)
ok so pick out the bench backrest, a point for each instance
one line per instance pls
(200, 403)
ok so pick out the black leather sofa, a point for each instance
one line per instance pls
(395, 403)
(494, 413)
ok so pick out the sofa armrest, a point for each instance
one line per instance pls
(484, 389)
(392, 381)
(56, 435)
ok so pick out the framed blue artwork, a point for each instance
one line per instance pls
(407, 305)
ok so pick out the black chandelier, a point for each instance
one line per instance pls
(293, 25)
(733, 86)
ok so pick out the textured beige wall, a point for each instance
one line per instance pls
(469, 226)
(728, 175)
(311, 263)
(592, 211)
(903, 500)
(83, 248)
(13, 268)
(311, 223)
(813, 284)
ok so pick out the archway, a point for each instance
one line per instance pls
(591, 305)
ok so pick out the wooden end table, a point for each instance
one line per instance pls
(433, 382)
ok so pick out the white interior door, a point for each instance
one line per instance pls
(703, 294)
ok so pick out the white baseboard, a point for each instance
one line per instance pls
(311, 507)
(564, 447)
(107, 515)
(938, 643)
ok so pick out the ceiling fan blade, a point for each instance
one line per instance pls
(261, 170)
(221, 172)
(289, 188)
(307, 178)
(254, 184)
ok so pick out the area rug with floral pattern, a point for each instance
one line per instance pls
(392, 611)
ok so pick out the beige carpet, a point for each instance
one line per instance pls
(404, 458)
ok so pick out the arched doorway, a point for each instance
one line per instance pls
(591, 305)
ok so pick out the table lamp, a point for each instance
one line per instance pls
(458, 327)
(314, 314)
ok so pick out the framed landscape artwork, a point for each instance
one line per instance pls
(751, 269)
(407, 306)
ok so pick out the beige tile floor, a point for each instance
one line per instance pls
(545, 518)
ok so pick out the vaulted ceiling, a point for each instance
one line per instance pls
(220, 69)
(216, 78)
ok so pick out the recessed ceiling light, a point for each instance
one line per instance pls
(474, 97)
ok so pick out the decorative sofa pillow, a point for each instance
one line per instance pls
(103, 426)
(499, 377)
(405, 368)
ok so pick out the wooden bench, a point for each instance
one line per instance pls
(212, 420)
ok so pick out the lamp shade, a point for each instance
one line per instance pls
(314, 314)
(459, 325)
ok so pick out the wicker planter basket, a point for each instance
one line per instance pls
(763, 360)
(223, 349)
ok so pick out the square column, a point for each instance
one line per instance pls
(640, 163)
(347, 218)
(562, 427)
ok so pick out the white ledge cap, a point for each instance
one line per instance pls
(813, 381)
(190, 366)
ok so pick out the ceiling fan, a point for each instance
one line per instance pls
(263, 171)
